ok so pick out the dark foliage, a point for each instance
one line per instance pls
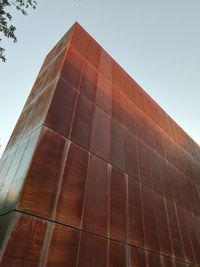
(6, 27)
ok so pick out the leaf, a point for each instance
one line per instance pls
(6, 28)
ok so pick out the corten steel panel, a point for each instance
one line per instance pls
(82, 123)
(103, 97)
(138, 257)
(131, 155)
(150, 226)
(62, 108)
(25, 241)
(45, 168)
(118, 206)
(89, 81)
(100, 140)
(164, 235)
(96, 207)
(95, 172)
(71, 195)
(135, 219)
(117, 148)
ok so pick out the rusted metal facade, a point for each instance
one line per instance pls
(95, 172)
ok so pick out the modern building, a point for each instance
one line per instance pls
(95, 173)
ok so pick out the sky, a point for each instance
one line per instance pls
(156, 41)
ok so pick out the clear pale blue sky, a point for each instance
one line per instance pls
(156, 41)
